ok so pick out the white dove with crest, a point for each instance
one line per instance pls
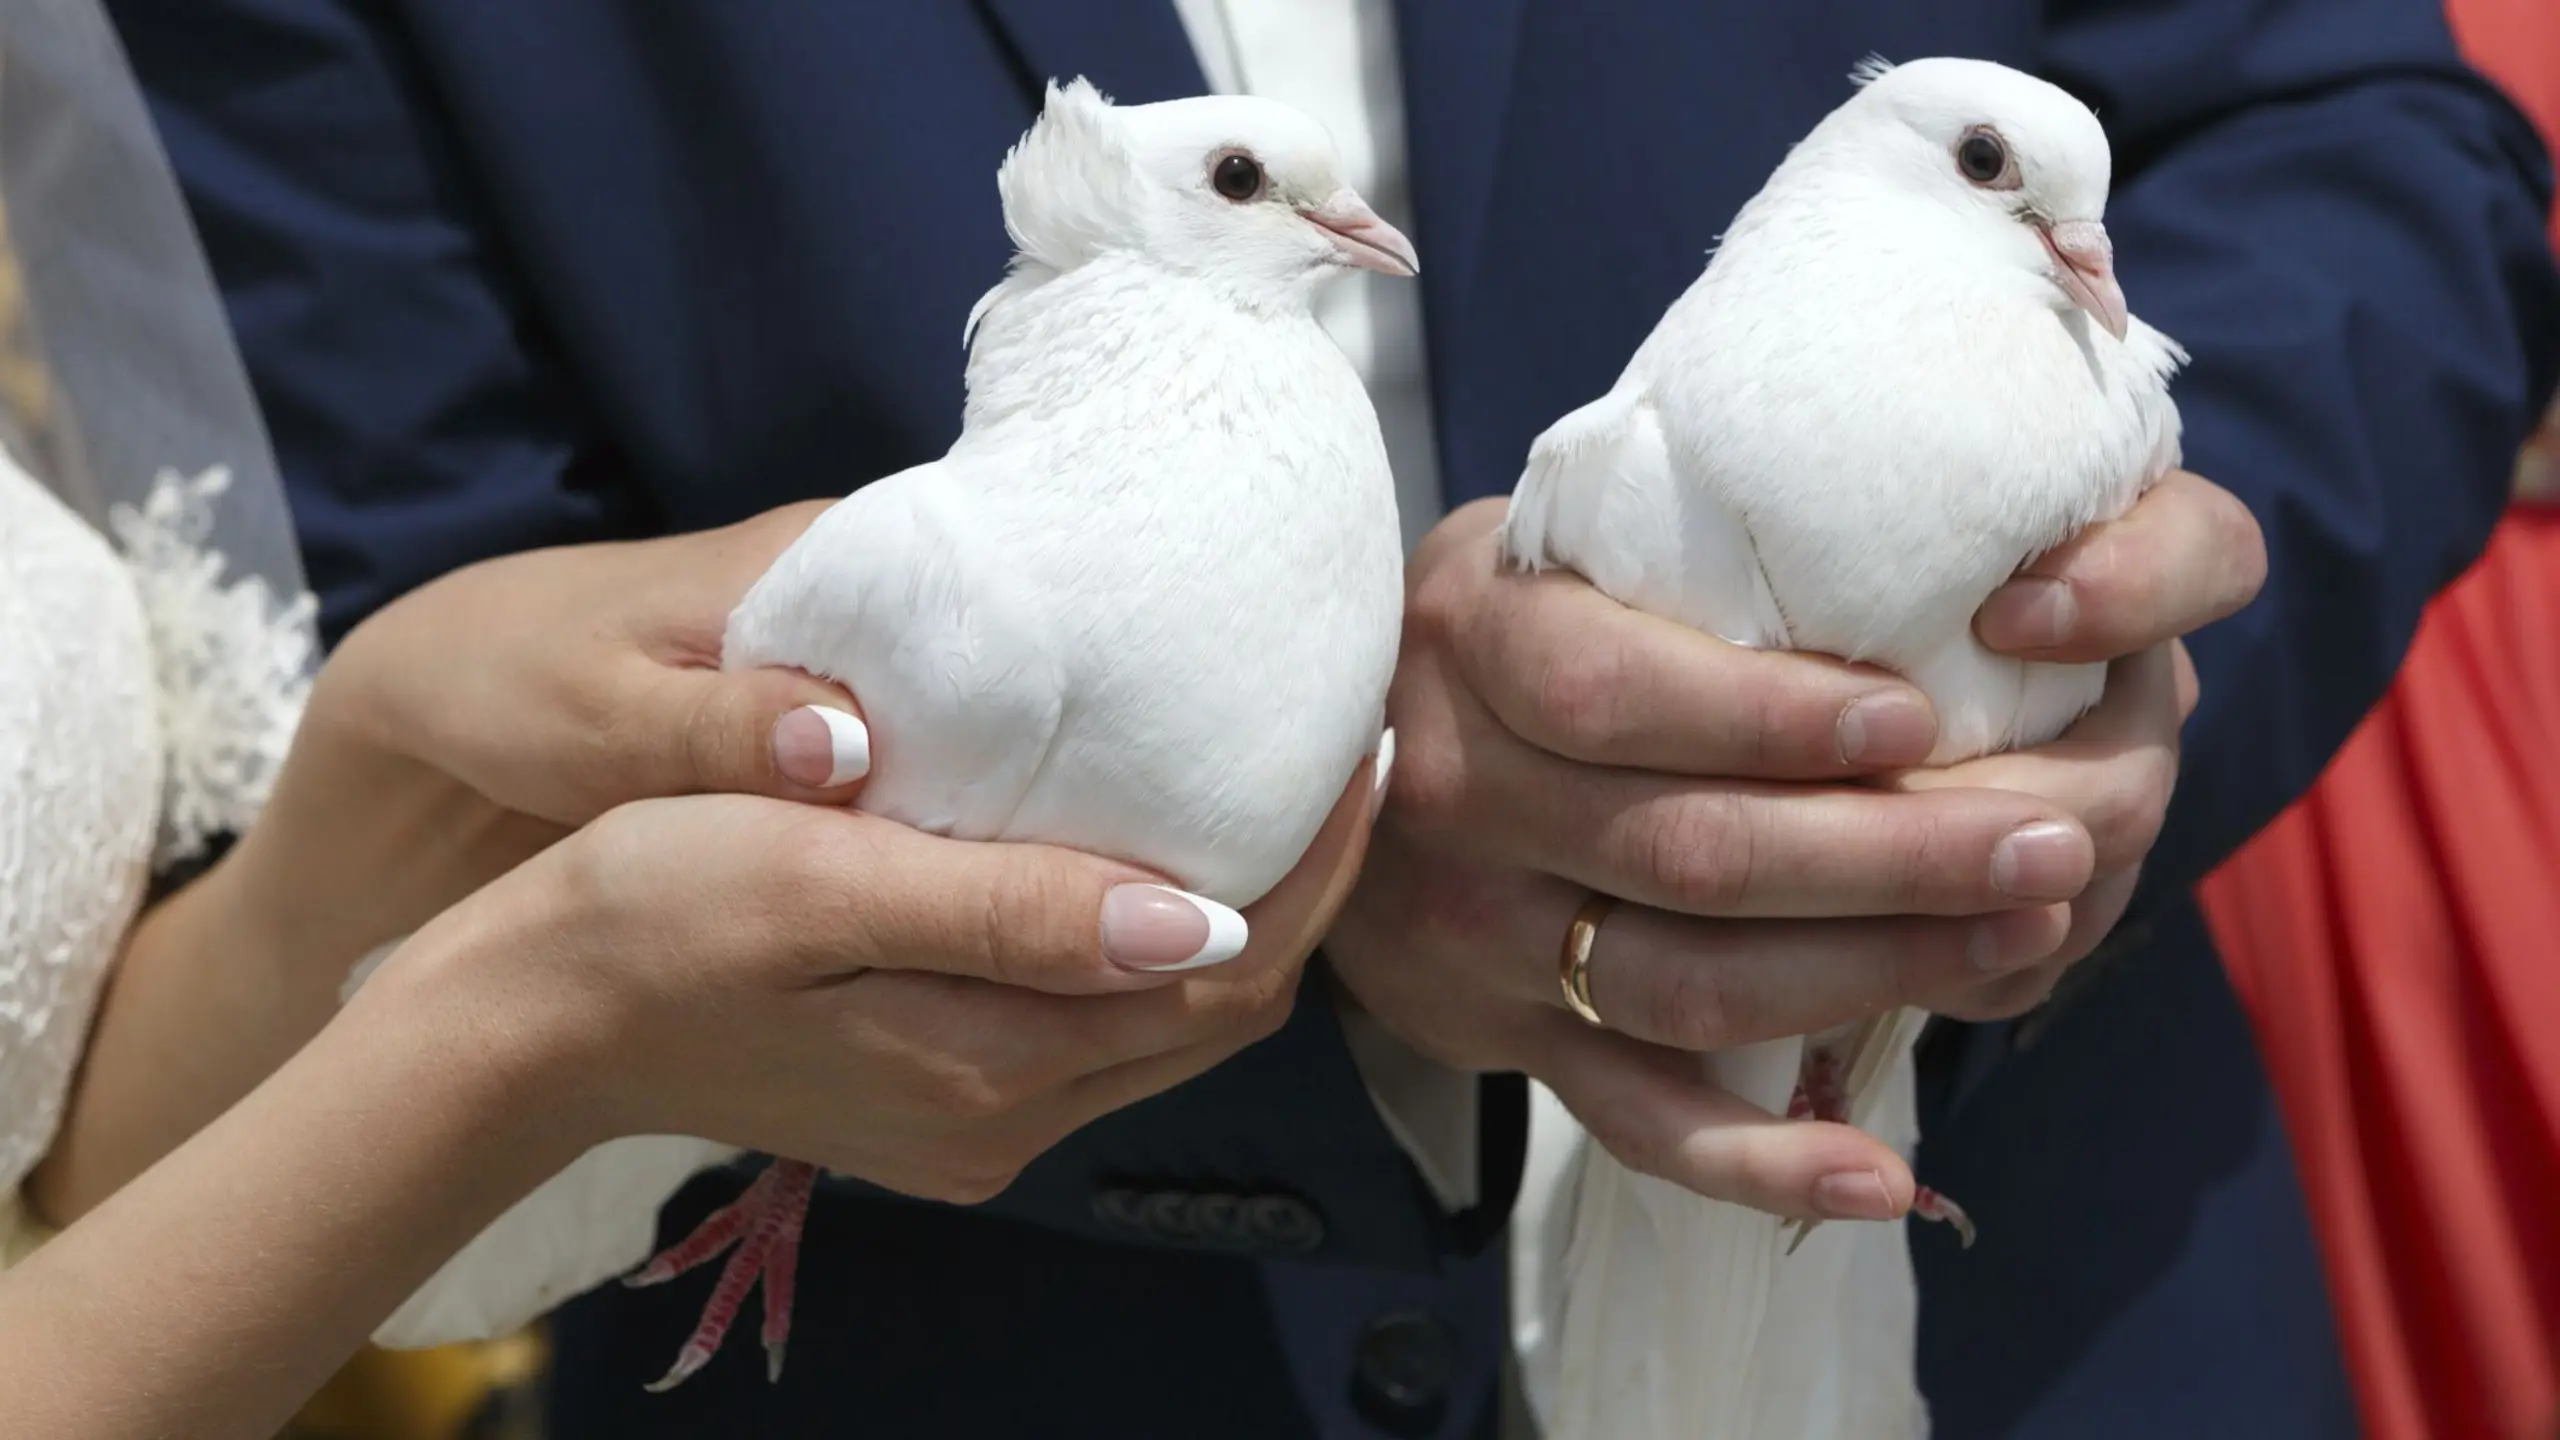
(1147, 606)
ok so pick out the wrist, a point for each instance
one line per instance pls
(359, 846)
(484, 986)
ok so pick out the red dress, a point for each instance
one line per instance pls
(2395, 937)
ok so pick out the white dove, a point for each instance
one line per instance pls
(1907, 370)
(1146, 607)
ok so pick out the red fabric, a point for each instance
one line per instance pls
(2517, 43)
(2395, 938)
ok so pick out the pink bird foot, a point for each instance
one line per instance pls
(1820, 1094)
(765, 1224)
(1823, 1088)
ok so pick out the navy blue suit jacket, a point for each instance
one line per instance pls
(512, 274)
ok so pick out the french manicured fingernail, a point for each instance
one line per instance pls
(1386, 765)
(1158, 928)
(1854, 1195)
(2035, 612)
(2009, 941)
(821, 748)
(2044, 861)
(1888, 728)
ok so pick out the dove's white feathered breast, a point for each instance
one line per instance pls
(1146, 607)
(1878, 401)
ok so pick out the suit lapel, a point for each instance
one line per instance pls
(1457, 58)
(1135, 50)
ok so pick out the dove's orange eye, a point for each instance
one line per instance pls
(1983, 158)
(1236, 176)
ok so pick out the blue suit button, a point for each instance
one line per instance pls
(1219, 1220)
(1166, 1214)
(1121, 1210)
(1283, 1223)
(1406, 1361)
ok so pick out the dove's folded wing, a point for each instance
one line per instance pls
(1604, 496)
(897, 595)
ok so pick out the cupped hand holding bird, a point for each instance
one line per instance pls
(457, 732)
(924, 1013)
(1552, 743)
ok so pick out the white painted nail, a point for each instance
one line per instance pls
(1157, 928)
(1386, 763)
(822, 747)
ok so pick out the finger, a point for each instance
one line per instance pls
(2093, 916)
(2186, 555)
(1748, 849)
(1701, 985)
(1291, 918)
(1066, 1060)
(2114, 771)
(1108, 1056)
(1654, 1110)
(850, 892)
(883, 896)
(770, 732)
(2190, 685)
(1575, 673)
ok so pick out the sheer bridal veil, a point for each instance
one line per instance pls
(121, 391)
(156, 641)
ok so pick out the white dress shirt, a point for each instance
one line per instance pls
(1336, 60)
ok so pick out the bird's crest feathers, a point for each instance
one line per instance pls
(1870, 70)
(1068, 180)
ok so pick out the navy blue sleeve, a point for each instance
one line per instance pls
(2344, 224)
(420, 419)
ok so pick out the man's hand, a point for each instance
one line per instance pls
(2187, 554)
(1552, 744)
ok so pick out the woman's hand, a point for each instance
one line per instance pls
(480, 718)
(456, 733)
(927, 1014)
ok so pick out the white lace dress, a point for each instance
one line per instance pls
(144, 707)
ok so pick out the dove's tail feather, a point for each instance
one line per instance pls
(1673, 1317)
(585, 1225)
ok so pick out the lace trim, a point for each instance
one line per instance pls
(233, 661)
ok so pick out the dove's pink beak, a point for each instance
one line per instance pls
(2084, 265)
(1360, 238)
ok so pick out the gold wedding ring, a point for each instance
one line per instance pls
(1573, 968)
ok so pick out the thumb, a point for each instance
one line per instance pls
(1655, 1111)
(773, 732)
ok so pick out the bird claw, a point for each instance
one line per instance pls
(688, 1360)
(764, 1223)
(1928, 1204)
